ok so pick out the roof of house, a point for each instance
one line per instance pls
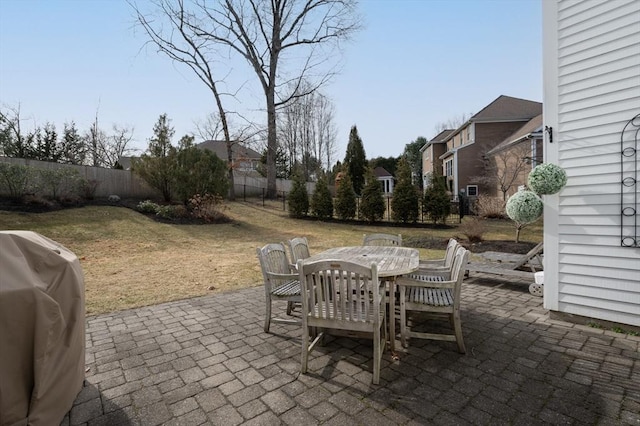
(381, 172)
(439, 138)
(237, 150)
(533, 128)
(508, 108)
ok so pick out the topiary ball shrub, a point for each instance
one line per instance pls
(547, 178)
(524, 207)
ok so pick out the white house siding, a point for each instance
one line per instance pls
(591, 90)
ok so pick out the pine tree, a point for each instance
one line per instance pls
(436, 203)
(372, 203)
(345, 199)
(298, 198)
(404, 203)
(355, 160)
(321, 200)
(157, 166)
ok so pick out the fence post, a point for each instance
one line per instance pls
(244, 192)
(284, 207)
(262, 197)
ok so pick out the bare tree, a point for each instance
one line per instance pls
(307, 132)
(453, 122)
(507, 168)
(266, 34)
(13, 142)
(184, 42)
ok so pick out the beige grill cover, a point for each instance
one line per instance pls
(42, 329)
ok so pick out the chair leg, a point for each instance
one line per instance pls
(457, 326)
(376, 356)
(305, 350)
(289, 307)
(267, 316)
(403, 317)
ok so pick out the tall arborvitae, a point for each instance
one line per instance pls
(355, 160)
(298, 198)
(436, 204)
(372, 202)
(345, 199)
(321, 200)
(404, 204)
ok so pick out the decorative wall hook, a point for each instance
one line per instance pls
(549, 131)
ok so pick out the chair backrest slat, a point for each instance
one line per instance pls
(382, 240)
(299, 248)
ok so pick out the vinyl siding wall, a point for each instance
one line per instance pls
(592, 89)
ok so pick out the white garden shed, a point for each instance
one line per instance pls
(591, 57)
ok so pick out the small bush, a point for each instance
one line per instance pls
(174, 211)
(148, 206)
(16, 179)
(88, 188)
(207, 207)
(490, 207)
(473, 228)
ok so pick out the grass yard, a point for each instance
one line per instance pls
(130, 260)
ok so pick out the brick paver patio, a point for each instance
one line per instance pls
(207, 361)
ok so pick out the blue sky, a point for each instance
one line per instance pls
(415, 64)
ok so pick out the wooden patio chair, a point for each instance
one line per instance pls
(280, 281)
(435, 293)
(345, 296)
(299, 249)
(444, 263)
(382, 240)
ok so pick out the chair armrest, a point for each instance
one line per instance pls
(282, 276)
(437, 282)
(430, 263)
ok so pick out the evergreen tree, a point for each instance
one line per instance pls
(345, 199)
(158, 165)
(198, 171)
(404, 203)
(298, 198)
(436, 203)
(73, 149)
(321, 200)
(414, 158)
(47, 148)
(372, 202)
(355, 160)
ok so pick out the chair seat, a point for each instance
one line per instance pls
(336, 313)
(430, 296)
(290, 288)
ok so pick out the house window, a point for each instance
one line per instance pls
(448, 168)
(472, 190)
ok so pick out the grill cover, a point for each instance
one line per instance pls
(42, 329)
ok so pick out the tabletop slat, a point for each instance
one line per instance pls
(392, 261)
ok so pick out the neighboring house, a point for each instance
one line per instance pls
(385, 178)
(431, 152)
(509, 163)
(244, 159)
(591, 57)
(462, 163)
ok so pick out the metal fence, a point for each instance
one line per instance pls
(459, 209)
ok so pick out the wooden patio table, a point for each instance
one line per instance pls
(392, 262)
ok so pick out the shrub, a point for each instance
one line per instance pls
(148, 206)
(298, 198)
(16, 179)
(490, 207)
(473, 228)
(436, 204)
(173, 211)
(199, 171)
(345, 199)
(207, 207)
(405, 201)
(372, 203)
(60, 182)
(524, 207)
(88, 188)
(321, 200)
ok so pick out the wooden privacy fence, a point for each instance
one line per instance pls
(123, 183)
